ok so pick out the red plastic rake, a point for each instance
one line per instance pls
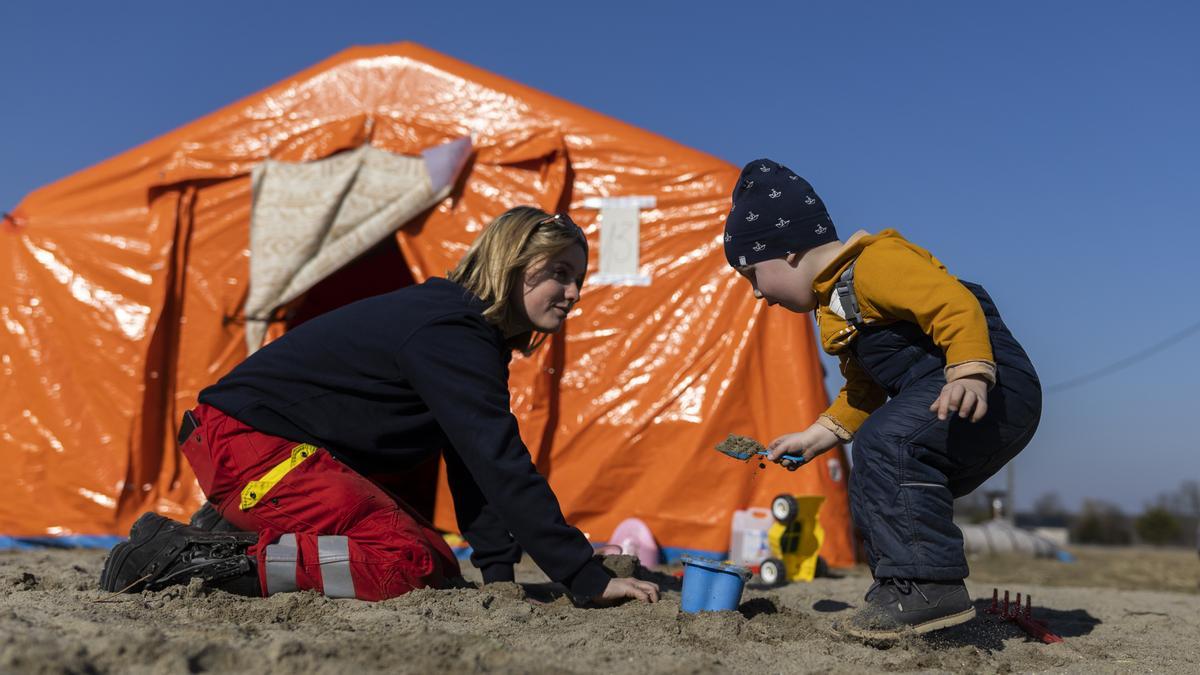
(1022, 616)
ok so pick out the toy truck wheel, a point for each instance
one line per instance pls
(784, 508)
(771, 571)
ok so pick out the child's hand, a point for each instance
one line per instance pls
(811, 442)
(967, 396)
(627, 587)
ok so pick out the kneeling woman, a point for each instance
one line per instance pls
(283, 444)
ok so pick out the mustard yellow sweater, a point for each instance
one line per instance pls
(896, 280)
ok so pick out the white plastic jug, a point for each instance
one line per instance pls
(748, 536)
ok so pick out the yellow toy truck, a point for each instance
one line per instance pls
(780, 545)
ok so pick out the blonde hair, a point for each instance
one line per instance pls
(497, 260)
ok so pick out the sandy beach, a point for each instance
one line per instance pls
(53, 620)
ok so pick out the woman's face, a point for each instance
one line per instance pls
(550, 288)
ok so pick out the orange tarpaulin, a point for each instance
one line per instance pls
(124, 290)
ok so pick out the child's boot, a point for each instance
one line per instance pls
(898, 606)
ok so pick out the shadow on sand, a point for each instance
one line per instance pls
(990, 632)
(756, 607)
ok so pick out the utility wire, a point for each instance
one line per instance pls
(1125, 362)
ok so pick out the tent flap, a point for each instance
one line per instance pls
(310, 219)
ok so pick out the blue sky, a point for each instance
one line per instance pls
(1050, 151)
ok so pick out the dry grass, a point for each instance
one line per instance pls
(1140, 568)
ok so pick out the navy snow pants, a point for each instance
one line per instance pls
(909, 466)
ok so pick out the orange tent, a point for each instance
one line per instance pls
(125, 284)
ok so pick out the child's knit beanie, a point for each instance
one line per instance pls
(775, 213)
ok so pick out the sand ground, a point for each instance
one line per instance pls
(1119, 611)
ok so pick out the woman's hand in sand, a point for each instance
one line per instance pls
(811, 442)
(965, 396)
(622, 588)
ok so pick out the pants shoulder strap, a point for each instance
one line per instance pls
(845, 291)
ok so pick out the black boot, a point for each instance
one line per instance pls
(898, 606)
(161, 552)
(209, 519)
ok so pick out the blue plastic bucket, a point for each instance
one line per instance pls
(712, 585)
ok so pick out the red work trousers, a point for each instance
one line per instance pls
(322, 526)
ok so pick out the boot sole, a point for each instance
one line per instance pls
(919, 629)
(146, 527)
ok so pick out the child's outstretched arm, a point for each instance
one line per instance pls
(811, 442)
(859, 397)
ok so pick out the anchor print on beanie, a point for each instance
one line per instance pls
(775, 212)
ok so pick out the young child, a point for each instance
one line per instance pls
(938, 395)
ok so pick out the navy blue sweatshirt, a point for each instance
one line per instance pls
(385, 382)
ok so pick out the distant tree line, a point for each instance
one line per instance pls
(1171, 519)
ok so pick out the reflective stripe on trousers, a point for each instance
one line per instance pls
(312, 517)
(283, 557)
